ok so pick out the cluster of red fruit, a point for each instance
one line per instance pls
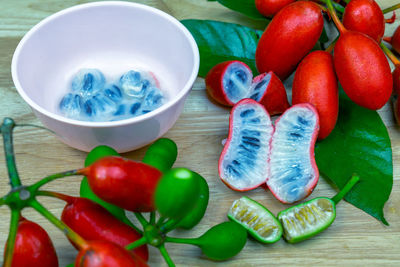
(358, 62)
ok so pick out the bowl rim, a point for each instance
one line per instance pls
(181, 94)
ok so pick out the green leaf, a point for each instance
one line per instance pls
(221, 41)
(359, 144)
(246, 7)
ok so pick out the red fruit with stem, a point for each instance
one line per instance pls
(293, 173)
(315, 82)
(269, 8)
(102, 253)
(361, 67)
(123, 182)
(243, 164)
(33, 246)
(365, 16)
(230, 81)
(288, 38)
(92, 222)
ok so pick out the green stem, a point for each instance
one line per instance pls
(15, 216)
(166, 256)
(141, 241)
(392, 8)
(141, 219)
(72, 235)
(160, 221)
(390, 55)
(339, 196)
(6, 130)
(191, 241)
(335, 18)
(337, 6)
(168, 226)
(152, 218)
(57, 195)
(52, 177)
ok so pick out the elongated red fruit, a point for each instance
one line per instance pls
(293, 173)
(289, 37)
(92, 222)
(315, 82)
(102, 253)
(243, 164)
(394, 40)
(269, 8)
(33, 246)
(123, 182)
(363, 70)
(365, 16)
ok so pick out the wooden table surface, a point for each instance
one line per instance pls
(354, 239)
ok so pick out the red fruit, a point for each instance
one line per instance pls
(243, 164)
(396, 80)
(363, 70)
(102, 253)
(293, 172)
(289, 37)
(92, 222)
(33, 246)
(230, 81)
(315, 82)
(268, 90)
(123, 182)
(394, 40)
(269, 8)
(365, 16)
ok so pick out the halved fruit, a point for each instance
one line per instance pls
(258, 220)
(230, 81)
(306, 220)
(243, 164)
(293, 171)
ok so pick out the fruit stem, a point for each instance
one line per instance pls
(141, 241)
(141, 219)
(73, 236)
(335, 18)
(392, 19)
(15, 215)
(387, 39)
(166, 256)
(152, 217)
(392, 8)
(160, 221)
(6, 130)
(52, 177)
(191, 241)
(60, 196)
(348, 186)
(169, 226)
(390, 55)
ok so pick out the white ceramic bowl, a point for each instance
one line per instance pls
(113, 37)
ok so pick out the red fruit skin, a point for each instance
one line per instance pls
(269, 8)
(365, 16)
(396, 80)
(312, 146)
(363, 70)
(289, 37)
(214, 82)
(315, 82)
(275, 98)
(395, 40)
(33, 246)
(102, 253)
(123, 182)
(92, 222)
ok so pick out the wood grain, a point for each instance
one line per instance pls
(355, 238)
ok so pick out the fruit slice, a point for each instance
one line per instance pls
(243, 164)
(228, 82)
(258, 220)
(293, 171)
(305, 220)
(269, 91)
